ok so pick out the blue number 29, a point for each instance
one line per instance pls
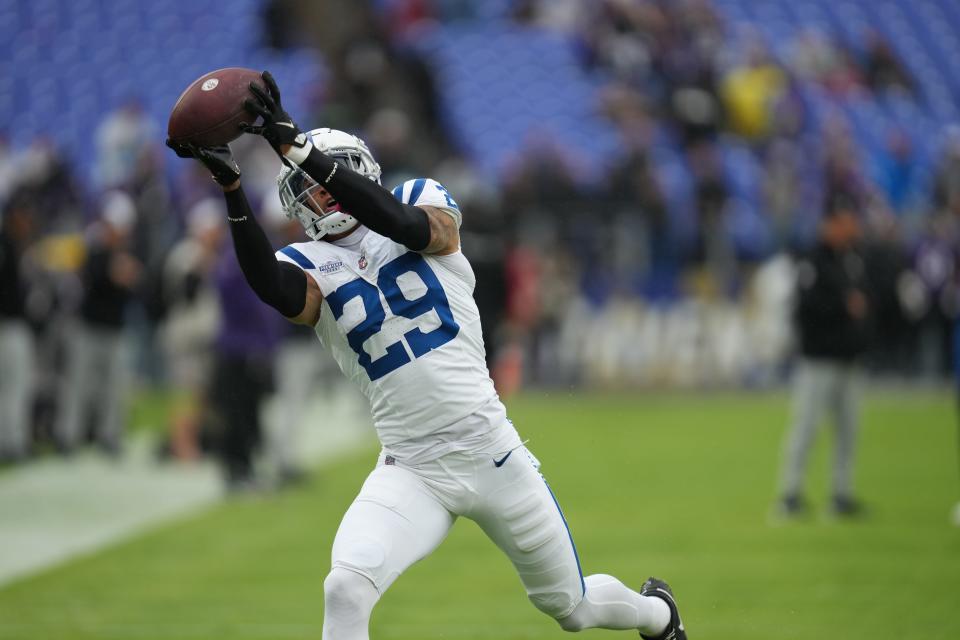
(419, 342)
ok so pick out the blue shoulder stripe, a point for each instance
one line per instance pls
(418, 185)
(297, 257)
(398, 192)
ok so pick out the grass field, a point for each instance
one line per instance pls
(678, 486)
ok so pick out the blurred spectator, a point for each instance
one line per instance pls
(714, 244)
(936, 262)
(388, 134)
(946, 190)
(302, 368)
(782, 191)
(281, 24)
(242, 372)
(8, 170)
(750, 91)
(560, 15)
(192, 320)
(843, 179)
(46, 178)
(882, 69)
(887, 266)
(371, 74)
(98, 367)
(483, 236)
(454, 10)
(404, 16)
(638, 203)
(16, 339)
(833, 315)
(122, 138)
(620, 37)
(897, 169)
(815, 57)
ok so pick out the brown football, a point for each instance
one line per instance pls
(210, 111)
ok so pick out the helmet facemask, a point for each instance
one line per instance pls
(300, 194)
(303, 201)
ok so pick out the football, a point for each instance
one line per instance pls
(210, 111)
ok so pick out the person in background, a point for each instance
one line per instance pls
(242, 373)
(122, 138)
(16, 339)
(98, 367)
(832, 320)
(303, 368)
(192, 321)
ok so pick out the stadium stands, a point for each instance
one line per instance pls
(69, 62)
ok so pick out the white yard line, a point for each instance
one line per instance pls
(55, 509)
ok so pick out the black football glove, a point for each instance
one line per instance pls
(218, 160)
(278, 128)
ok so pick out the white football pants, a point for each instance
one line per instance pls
(403, 513)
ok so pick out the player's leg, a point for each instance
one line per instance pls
(392, 523)
(846, 414)
(21, 381)
(73, 402)
(811, 387)
(113, 389)
(520, 514)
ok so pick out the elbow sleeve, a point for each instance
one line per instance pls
(281, 285)
(370, 203)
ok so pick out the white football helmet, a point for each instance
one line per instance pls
(297, 188)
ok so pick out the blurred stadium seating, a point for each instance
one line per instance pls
(69, 63)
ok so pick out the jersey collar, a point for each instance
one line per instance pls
(353, 240)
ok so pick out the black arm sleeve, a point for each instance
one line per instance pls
(281, 285)
(370, 203)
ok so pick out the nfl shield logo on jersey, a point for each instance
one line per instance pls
(362, 262)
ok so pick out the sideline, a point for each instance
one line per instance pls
(55, 509)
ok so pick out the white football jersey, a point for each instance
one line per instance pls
(405, 327)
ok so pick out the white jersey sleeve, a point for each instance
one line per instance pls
(430, 193)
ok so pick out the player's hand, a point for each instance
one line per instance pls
(218, 160)
(278, 128)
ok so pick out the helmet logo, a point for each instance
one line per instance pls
(210, 84)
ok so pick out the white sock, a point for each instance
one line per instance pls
(609, 604)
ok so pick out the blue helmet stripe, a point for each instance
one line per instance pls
(297, 257)
(418, 185)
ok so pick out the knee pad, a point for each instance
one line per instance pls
(348, 591)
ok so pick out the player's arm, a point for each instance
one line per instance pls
(367, 201)
(282, 285)
(444, 232)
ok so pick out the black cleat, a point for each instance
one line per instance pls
(657, 588)
(847, 507)
(793, 505)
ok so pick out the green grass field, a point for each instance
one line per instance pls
(678, 486)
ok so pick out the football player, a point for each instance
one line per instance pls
(389, 292)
